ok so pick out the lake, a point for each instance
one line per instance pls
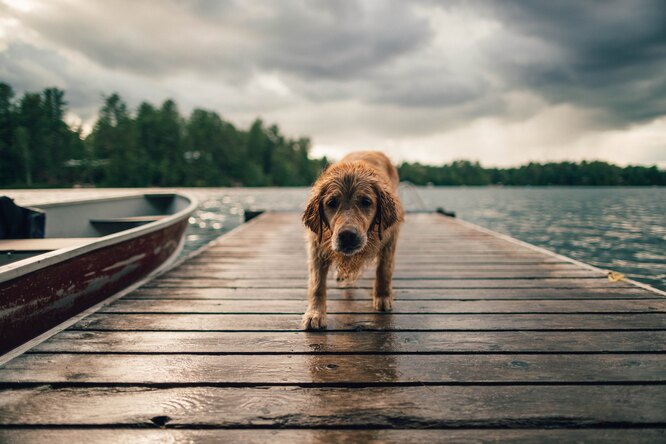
(622, 229)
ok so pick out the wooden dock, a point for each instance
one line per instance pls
(490, 339)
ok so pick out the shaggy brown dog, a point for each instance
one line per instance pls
(353, 217)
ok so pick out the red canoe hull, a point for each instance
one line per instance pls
(36, 302)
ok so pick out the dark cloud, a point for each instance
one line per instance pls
(27, 68)
(321, 39)
(341, 40)
(455, 61)
(611, 55)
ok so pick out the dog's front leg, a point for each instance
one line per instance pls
(382, 298)
(315, 316)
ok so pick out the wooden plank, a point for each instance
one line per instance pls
(278, 250)
(334, 369)
(325, 436)
(354, 342)
(241, 267)
(253, 259)
(369, 407)
(400, 294)
(445, 283)
(415, 263)
(365, 306)
(400, 275)
(381, 322)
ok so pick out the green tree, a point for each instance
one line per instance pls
(9, 153)
(170, 144)
(29, 133)
(57, 137)
(212, 149)
(114, 144)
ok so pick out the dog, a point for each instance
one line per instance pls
(353, 217)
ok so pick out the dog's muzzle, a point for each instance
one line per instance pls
(348, 242)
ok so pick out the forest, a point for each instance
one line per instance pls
(158, 146)
(595, 173)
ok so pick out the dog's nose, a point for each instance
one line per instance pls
(349, 239)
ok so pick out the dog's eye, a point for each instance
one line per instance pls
(332, 203)
(365, 202)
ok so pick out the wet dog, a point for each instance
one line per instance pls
(353, 218)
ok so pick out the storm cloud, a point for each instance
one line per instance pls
(502, 82)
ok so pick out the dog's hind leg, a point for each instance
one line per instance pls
(382, 298)
(315, 316)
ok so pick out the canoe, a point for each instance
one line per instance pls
(91, 250)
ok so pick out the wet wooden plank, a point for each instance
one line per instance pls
(437, 267)
(365, 306)
(378, 321)
(398, 284)
(334, 369)
(369, 407)
(400, 294)
(251, 259)
(325, 436)
(170, 342)
(460, 258)
(429, 275)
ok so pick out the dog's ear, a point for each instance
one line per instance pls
(314, 217)
(387, 209)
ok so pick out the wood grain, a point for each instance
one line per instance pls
(325, 436)
(379, 321)
(488, 283)
(368, 407)
(333, 369)
(171, 342)
(401, 294)
(365, 306)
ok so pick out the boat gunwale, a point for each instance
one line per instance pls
(25, 266)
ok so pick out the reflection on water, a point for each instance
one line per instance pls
(622, 229)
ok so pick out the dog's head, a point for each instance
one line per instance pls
(352, 202)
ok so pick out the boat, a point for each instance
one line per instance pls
(85, 252)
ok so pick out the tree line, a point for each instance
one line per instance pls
(153, 146)
(157, 146)
(597, 173)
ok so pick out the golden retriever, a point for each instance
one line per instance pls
(353, 216)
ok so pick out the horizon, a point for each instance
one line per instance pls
(502, 84)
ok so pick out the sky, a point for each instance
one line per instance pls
(501, 82)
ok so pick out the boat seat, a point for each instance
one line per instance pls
(46, 244)
(127, 220)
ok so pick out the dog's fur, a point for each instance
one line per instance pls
(357, 195)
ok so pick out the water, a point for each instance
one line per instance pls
(621, 229)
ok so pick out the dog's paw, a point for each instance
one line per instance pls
(384, 303)
(314, 320)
